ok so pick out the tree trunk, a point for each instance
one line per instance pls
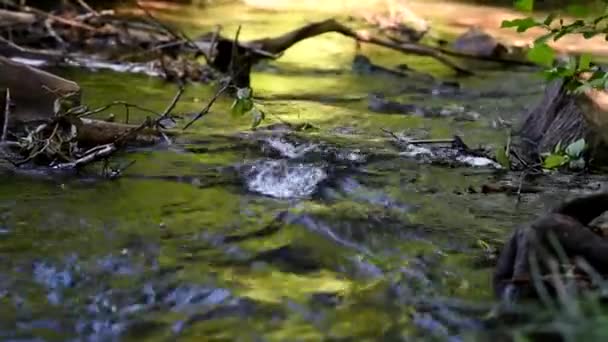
(563, 117)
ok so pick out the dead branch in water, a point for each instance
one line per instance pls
(71, 141)
(273, 47)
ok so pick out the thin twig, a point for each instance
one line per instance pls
(226, 86)
(118, 103)
(43, 149)
(59, 19)
(520, 186)
(173, 103)
(392, 134)
(214, 38)
(177, 35)
(48, 23)
(205, 110)
(46, 53)
(86, 6)
(7, 112)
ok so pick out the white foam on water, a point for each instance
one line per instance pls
(289, 150)
(478, 161)
(277, 178)
(412, 150)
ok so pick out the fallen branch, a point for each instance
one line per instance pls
(281, 43)
(94, 154)
(59, 19)
(514, 62)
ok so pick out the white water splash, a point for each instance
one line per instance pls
(478, 161)
(412, 150)
(277, 178)
(90, 63)
(289, 150)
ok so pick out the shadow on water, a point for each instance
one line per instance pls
(328, 233)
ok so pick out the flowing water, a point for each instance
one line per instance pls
(231, 234)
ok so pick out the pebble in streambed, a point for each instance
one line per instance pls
(379, 104)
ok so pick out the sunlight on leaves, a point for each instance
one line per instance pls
(554, 161)
(522, 25)
(541, 54)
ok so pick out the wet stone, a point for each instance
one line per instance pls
(51, 277)
(188, 297)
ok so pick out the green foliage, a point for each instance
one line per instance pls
(571, 156)
(555, 161)
(522, 25)
(542, 54)
(502, 155)
(243, 104)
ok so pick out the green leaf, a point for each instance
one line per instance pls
(576, 149)
(590, 34)
(503, 158)
(258, 117)
(558, 148)
(584, 61)
(237, 108)
(554, 161)
(521, 24)
(541, 54)
(241, 106)
(549, 19)
(524, 5)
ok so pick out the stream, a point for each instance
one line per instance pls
(330, 233)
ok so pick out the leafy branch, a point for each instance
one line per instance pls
(579, 73)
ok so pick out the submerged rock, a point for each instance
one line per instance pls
(379, 104)
(479, 43)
